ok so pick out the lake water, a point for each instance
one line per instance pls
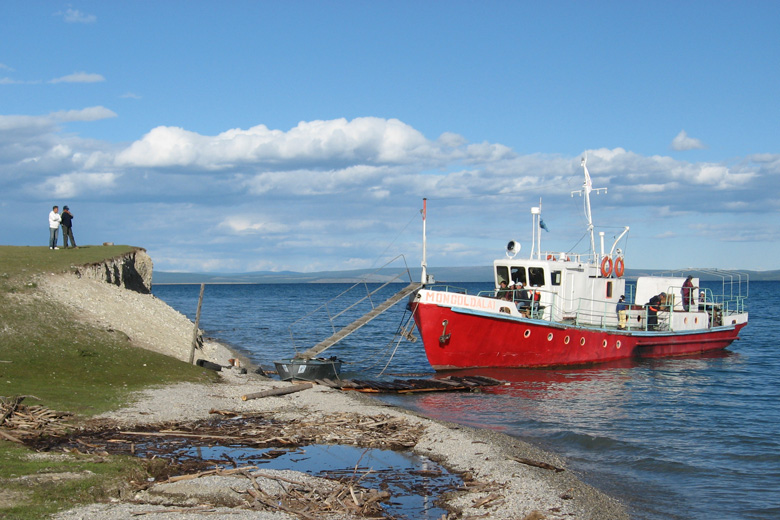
(690, 438)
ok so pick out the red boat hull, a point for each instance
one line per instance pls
(473, 340)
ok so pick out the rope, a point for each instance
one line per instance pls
(398, 343)
(382, 254)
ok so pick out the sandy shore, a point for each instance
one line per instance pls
(523, 491)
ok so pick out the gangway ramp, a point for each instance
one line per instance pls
(355, 325)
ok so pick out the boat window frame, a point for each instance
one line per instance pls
(556, 277)
(536, 276)
(499, 278)
(513, 273)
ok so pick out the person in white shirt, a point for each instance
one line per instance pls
(54, 226)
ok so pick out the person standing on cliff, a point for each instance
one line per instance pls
(54, 226)
(67, 227)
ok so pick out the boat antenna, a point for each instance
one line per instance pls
(424, 264)
(587, 187)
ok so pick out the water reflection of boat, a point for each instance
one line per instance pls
(561, 309)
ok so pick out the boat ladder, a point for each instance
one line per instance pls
(355, 325)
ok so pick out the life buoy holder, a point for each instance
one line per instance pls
(606, 267)
(620, 267)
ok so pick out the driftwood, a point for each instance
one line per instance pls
(342, 497)
(537, 464)
(195, 509)
(409, 386)
(277, 391)
(217, 471)
(29, 421)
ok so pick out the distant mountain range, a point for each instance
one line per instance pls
(442, 274)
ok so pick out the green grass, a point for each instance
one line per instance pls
(46, 352)
(21, 262)
(28, 480)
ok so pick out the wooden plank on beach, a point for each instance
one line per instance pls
(277, 391)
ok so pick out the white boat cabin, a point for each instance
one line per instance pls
(563, 288)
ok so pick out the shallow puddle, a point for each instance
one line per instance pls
(413, 482)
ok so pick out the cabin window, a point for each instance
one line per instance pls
(536, 276)
(609, 289)
(502, 274)
(518, 275)
(556, 277)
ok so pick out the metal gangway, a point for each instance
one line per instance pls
(375, 311)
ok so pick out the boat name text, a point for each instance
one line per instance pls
(459, 300)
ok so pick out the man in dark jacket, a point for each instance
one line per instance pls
(67, 227)
(653, 306)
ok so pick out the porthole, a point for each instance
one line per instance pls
(550, 336)
(696, 319)
(618, 344)
(685, 320)
(604, 343)
(582, 341)
(566, 340)
(527, 332)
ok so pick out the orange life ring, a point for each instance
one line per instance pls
(620, 267)
(606, 266)
(550, 257)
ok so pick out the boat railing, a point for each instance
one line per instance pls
(565, 257)
(448, 288)
(732, 294)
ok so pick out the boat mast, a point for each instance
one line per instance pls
(587, 187)
(424, 263)
(536, 231)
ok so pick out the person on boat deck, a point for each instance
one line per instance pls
(536, 297)
(503, 292)
(653, 306)
(523, 299)
(622, 311)
(687, 293)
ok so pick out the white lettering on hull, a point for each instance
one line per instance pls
(460, 300)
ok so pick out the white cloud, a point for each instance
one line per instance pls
(46, 122)
(85, 114)
(362, 140)
(75, 16)
(252, 224)
(11, 81)
(71, 185)
(3, 66)
(683, 142)
(130, 95)
(79, 77)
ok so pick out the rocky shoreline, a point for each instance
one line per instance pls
(512, 488)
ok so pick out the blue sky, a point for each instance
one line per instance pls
(246, 136)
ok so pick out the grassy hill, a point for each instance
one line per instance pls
(50, 356)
